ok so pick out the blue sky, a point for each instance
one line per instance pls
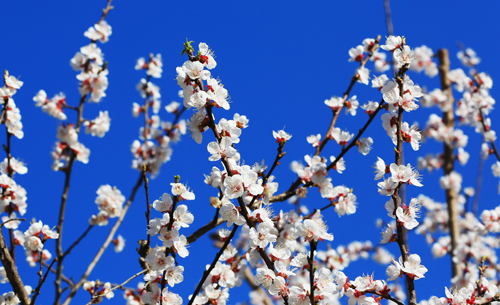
(279, 61)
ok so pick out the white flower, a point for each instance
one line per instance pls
(99, 126)
(163, 204)
(119, 243)
(101, 31)
(363, 75)
(314, 230)
(263, 236)
(407, 214)
(264, 276)
(452, 181)
(110, 200)
(365, 145)
(281, 136)
(380, 168)
(194, 69)
(179, 189)
(182, 216)
(403, 55)
(222, 149)
(392, 43)
(229, 213)
(233, 186)
(206, 56)
(404, 174)
(412, 267)
(16, 166)
(393, 271)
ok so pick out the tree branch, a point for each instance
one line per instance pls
(449, 158)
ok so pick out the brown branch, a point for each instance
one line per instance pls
(336, 114)
(356, 138)
(206, 273)
(311, 271)
(12, 219)
(63, 277)
(485, 128)
(148, 206)
(387, 297)
(449, 158)
(315, 210)
(106, 10)
(12, 274)
(201, 231)
(10, 173)
(106, 243)
(401, 234)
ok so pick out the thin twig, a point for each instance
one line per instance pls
(291, 191)
(63, 277)
(485, 128)
(117, 287)
(201, 231)
(106, 10)
(12, 219)
(42, 279)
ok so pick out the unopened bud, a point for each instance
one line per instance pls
(301, 192)
(215, 202)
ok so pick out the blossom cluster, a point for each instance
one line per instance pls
(155, 139)
(109, 201)
(93, 84)
(160, 261)
(11, 115)
(276, 250)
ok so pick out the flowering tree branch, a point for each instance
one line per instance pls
(291, 191)
(346, 94)
(492, 142)
(94, 297)
(12, 273)
(206, 273)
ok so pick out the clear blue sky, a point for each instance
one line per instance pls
(279, 61)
